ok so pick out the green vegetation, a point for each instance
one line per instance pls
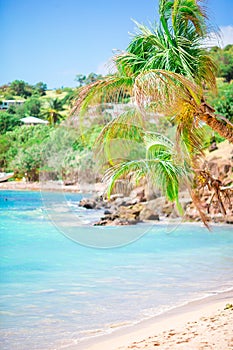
(85, 80)
(53, 111)
(223, 100)
(157, 161)
(22, 89)
(8, 121)
(58, 151)
(224, 61)
(25, 150)
(31, 107)
(172, 80)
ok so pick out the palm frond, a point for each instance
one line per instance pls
(121, 138)
(100, 91)
(165, 91)
(160, 165)
(157, 141)
(175, 45)
(128, 125)
(190, 13)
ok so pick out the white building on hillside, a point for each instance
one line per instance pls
(33, 121)
(7, 103)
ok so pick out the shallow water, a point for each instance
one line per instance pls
(55, 292)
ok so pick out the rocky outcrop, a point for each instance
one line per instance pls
(126, 214)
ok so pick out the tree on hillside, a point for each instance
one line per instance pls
(223, 101)
(31, 107)
(4, 89)
(27, 163)
(20, 88)
(53, 111)
(4, 147)
(20, 140)
(92, 77)
(224, 61)
(80, 78)
(85, 80)
(40, 88)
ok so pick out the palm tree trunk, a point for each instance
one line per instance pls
(225, 130)
(207, 114)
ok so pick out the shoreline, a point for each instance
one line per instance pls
(173, 329)
(51, 186)
(94, 189)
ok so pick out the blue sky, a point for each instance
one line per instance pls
(53, 40)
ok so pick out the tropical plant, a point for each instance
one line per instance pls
(166, 70)
(221, 195)
(167, 63)
(158, 161)
(53, 112)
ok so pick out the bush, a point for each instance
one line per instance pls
(27, 163)
(8, 122)
(31, 107)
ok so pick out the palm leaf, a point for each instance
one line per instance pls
(99, 91)
(165, 91)
(160, 165)
(120, 136)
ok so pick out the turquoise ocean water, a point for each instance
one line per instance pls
(55, 292)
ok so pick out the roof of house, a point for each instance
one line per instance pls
(33, 120)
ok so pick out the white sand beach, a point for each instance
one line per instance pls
(204, 324)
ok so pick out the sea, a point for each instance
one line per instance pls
(59, 288)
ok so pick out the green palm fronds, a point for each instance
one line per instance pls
(160, 165)
(165, 70)
(53, 111)
(120, 137)
(174, 44)
(128, 125)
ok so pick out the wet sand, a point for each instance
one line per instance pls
(203, 324)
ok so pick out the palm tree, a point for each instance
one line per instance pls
(166, 70)
(53, 111)
(174, 46)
